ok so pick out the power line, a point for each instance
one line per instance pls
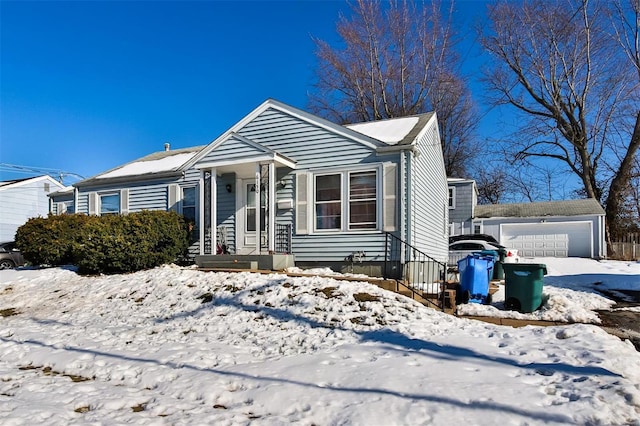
(54, 173)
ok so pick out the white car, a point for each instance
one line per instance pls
(461, 249)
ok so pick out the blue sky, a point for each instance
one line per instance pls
(86, 85)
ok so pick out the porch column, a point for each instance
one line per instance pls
(214, 215)
(271, 207)
(258, 210)
(201, 221)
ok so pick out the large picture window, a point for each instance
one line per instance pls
(346, 201)
(109, 204)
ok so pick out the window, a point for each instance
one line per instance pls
(66, 207)
(109, 204)
(477, 228)
(362, 200)
(251, 209)
(351, 195)
(328, 202)
(189, 204)
(452, 197)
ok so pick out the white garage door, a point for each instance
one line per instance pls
(548, 239)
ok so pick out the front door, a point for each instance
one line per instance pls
(248, 210)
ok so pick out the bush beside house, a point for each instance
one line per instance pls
(104, 244)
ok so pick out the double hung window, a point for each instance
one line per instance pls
(346, 201)
(362, 200)
(109, 204)
(189, 204)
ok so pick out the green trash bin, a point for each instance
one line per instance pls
(497, 273)
(523, 286)
(498, 269)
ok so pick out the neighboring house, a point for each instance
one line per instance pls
(23, 199)
(573, 228)
(285, 181)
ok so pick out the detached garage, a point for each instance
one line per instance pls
(572, 228)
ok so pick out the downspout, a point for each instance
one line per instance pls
(403, 200)
(409, 201)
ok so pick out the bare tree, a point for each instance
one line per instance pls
(397, 59)
(491, 185)
(558, 65)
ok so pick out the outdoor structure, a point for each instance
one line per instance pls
(569, 228)
(283, 184)
(23, 199)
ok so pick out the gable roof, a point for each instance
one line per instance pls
(11, 184)
(589, 206)
(157, 164)
(257, 152)
(394, 131)
(295, 112)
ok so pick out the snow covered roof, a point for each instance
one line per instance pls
(393, 131)
(158, 163)
(9, 184)
(589, 206)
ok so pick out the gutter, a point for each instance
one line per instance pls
(397, 148)
(125, 179)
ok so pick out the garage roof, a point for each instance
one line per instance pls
(589, 206)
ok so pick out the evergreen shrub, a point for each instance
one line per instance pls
(104, 244)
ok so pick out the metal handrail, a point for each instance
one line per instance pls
(420, 272)
(283, 236)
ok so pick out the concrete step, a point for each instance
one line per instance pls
(230, 264)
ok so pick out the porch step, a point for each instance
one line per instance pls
(230, 264)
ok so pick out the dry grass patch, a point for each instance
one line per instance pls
(48, 371)
(9, 312)
(365, 297)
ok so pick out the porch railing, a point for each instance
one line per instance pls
(283, 235)
(420, 272)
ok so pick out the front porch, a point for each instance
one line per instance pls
(244, 206)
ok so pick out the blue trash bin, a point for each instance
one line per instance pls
(475, 273)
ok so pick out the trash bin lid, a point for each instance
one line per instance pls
(525, 266)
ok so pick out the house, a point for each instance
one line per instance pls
(283, 185)
(570, 228)
(23, 199)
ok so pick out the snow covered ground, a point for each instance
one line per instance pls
(570, 290)
(178, 346)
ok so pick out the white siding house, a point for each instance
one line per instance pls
(23, 199)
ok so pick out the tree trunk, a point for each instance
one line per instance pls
(620, 182)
